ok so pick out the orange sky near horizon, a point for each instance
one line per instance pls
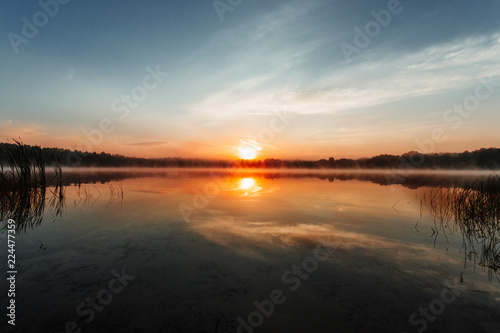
(229, 150)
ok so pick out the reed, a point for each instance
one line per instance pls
(22, 184)
(24, 189)
(475, 207)
(115, 192)
(24, 205)
(26, 166)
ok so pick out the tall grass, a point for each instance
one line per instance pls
(475, 206)
(26, 166)
(23, 187)
(22, 184)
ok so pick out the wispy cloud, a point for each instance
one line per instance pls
(433, 70)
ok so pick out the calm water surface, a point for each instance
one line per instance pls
(209, 251)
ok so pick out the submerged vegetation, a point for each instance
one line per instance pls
(475, 208)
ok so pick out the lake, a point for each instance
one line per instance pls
(181, 250)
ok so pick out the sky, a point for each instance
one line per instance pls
(305, 79)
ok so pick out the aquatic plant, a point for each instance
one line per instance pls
(26, 166)
(22, 185)
(475, 207)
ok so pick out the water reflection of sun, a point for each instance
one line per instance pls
(246, 183)
(249, 186)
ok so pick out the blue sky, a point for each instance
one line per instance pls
(228, 78)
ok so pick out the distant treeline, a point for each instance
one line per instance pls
(478, 159)
(75, 158)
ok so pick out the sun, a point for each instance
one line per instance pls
(247, 153)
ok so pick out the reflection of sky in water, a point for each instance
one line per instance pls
(235, 250)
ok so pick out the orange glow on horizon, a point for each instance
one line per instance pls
(226, 149)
